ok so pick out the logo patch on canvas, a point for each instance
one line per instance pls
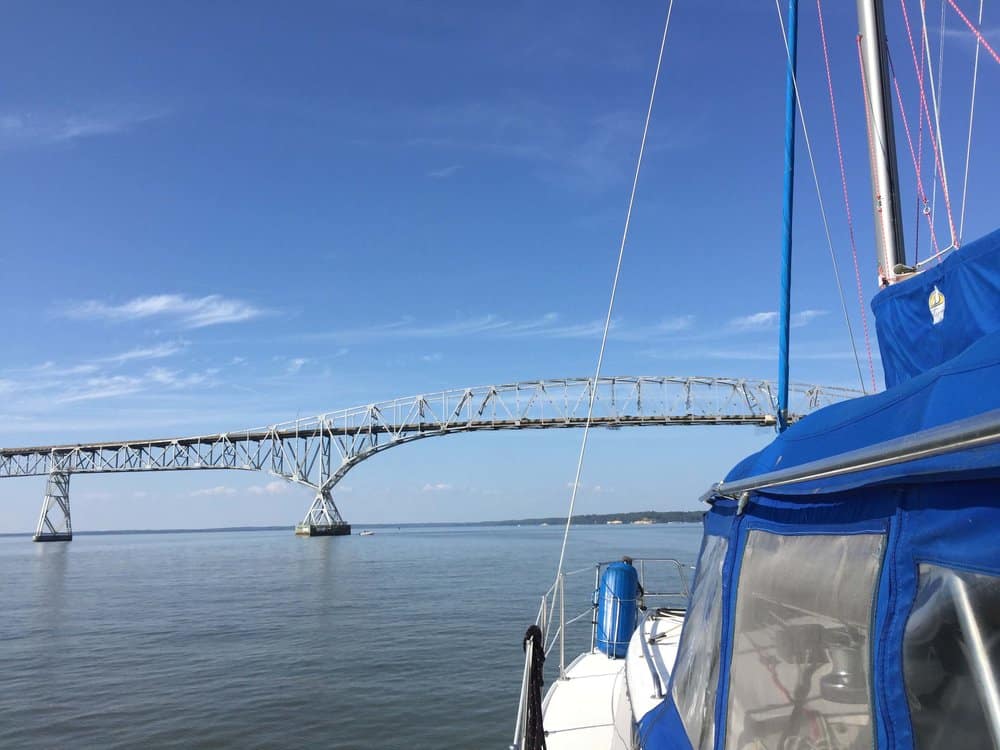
(935, 303)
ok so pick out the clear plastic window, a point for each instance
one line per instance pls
(696, 671)
(951, 660)
(799, 678)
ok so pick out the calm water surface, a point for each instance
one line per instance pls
(406, 639)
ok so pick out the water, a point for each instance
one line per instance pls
(406, 639)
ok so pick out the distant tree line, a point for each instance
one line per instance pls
(656, 516)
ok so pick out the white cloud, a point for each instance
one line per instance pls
(31, 129)
(760, 321)
(214, 491)
(294, 365)
(546, 326)
(444, 172)
(277, 487)
(109, 386)
(755, 321)
(437, 487)
(166, 349)
(962, 32)
(804, 317)
(189, 312)
(596, 489)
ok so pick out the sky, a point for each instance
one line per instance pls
(217, 216)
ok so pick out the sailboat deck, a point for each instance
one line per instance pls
(597, 705)
(579, 709)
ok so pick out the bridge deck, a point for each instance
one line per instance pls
(765, 420)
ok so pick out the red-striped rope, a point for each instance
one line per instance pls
(974, 30)
(930, 125)
(847, 202)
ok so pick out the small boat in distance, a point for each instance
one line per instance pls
(367, 532)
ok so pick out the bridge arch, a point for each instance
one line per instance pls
(319, 451)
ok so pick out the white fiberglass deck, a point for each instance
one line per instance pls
(597, 704)
(579, 710)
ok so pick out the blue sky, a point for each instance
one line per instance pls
(226, 215)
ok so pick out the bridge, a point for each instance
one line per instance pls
(319, 451)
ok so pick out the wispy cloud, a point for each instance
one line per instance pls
(765, 320)
(277, 487)
(444, 172)
(597, 489)
(765, 353)
(189, 312)
(547, 326)
(214, 491)
(591, 151)
(105, 386)
(436, 487)
(295, 364)
(962, 32)
(159, 351)
(26, 129)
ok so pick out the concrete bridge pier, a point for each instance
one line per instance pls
(54, 523)
(323, 518)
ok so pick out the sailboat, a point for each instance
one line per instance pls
(847, 590)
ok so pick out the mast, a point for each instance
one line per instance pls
(885, 175)
(784, 317)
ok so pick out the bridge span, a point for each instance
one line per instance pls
(319, 451)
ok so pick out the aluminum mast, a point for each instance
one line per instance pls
(885, 175)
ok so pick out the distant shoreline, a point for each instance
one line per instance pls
(626, 519)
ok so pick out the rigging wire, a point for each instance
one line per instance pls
(847, 202)
(923, 109)
(611, 303)
(921, 193)
(822, 206)
(968, 143)
(936, 100)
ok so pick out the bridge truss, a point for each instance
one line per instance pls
(319, 451)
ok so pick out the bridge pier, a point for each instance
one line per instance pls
(323, 518)
(56, 503)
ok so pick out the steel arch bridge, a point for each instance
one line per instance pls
(319, 451)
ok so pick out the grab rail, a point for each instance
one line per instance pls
(648, 658)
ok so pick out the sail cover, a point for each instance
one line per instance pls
(933, 317)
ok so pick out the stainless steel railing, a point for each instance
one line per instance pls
(554, 627)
